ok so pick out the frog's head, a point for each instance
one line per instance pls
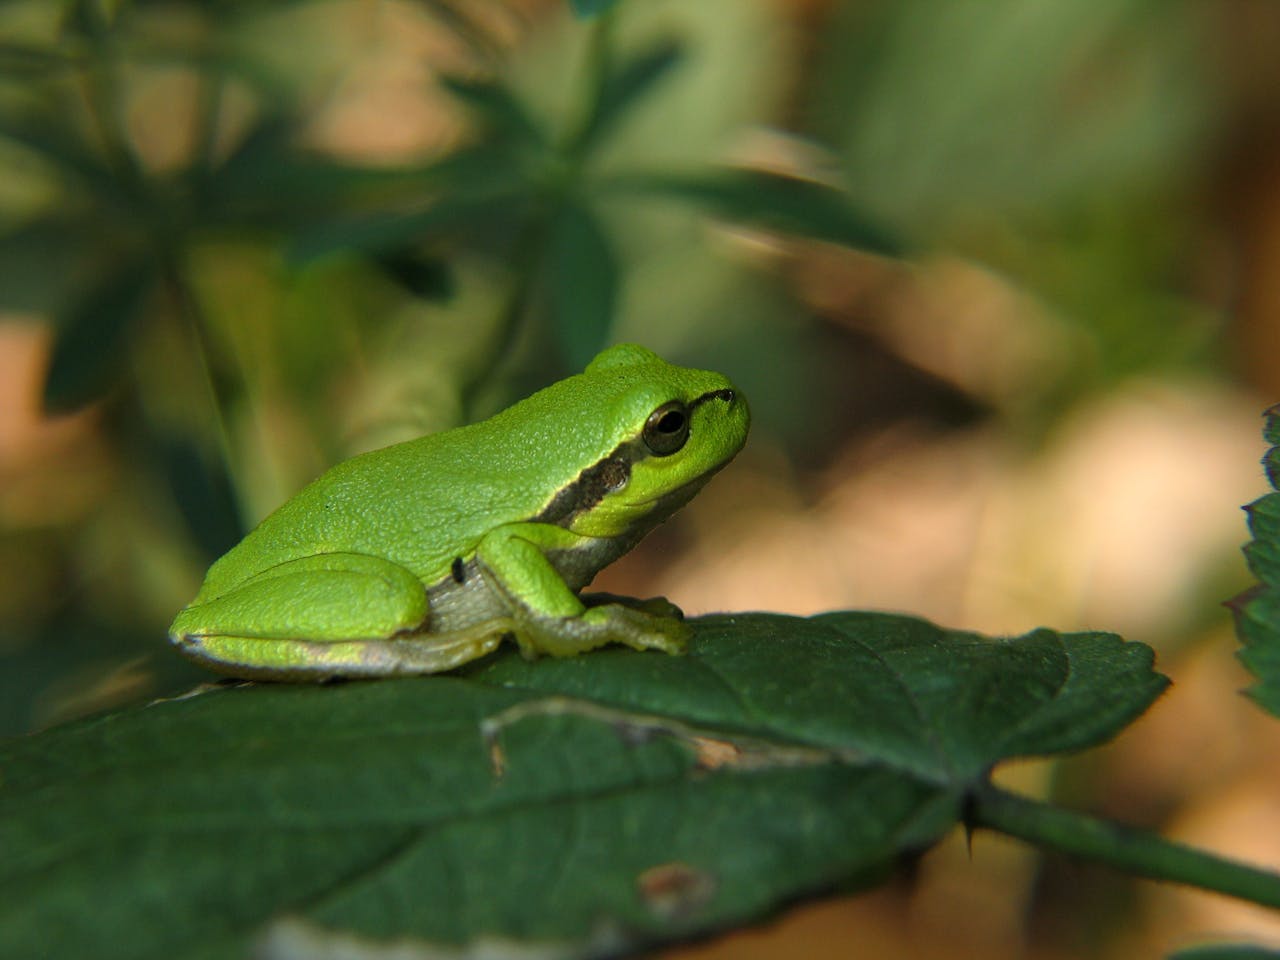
(670, 429)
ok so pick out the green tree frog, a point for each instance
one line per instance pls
(427, 554)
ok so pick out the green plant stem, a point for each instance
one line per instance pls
(212, 90)
(99, 85)
(1133, 851)
(187, 306)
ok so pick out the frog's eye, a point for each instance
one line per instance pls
(667, 429)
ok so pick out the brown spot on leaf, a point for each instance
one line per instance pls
(498, 758)
(714, 754)
(675, 890)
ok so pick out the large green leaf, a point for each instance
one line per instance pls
(581, 806)
(895, 690)
(1258, 610)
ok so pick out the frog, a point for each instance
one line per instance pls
(428, 554)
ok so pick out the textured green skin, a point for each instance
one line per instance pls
(364, 544)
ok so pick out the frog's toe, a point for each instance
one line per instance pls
(660, 607)
(641, 629)
(653, 606)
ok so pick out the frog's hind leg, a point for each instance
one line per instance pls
(315, 617)
(326, 597)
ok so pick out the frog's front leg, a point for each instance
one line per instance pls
(328, 615)
(547, 616)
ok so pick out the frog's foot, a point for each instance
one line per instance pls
(548, 617)
(600, 625)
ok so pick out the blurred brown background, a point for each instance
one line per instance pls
(1046, 411)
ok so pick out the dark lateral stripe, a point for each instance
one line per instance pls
(589, 488)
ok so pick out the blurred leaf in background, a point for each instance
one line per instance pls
(158, 157)
(176, 149)
(1060, 143)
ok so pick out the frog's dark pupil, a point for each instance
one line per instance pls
(672, 422)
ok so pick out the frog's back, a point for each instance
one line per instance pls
(420, 503)
(426, 502)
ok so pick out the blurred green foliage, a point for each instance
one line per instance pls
(251, 303)
(1062, 143)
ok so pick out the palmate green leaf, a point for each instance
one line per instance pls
(770, 201)
(583, 277)
(498, 107)
(581, 806)
(271, 181)
(202, 490)
(426, 277)
(92, 332)
(590, 8)
(25, 61)
(1257, 611)
(466, 191)
(64, 149)
(626, 85)
(37, 257)
(393, 231)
